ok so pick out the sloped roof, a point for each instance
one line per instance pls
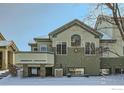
(108, 41)
(32, 42)
(42, 37)
(4, 43)
(76, 22)
(2, 37)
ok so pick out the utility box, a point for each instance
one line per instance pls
(58, 72)
(20, 73)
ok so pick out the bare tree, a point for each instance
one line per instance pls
(112, 10)
(117, 17)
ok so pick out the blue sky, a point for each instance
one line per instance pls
(22, 22)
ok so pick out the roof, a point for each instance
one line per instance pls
(75, 22)
(5, 43)
(2, 37)
(42, 37)
(32, 42)
(108, 41)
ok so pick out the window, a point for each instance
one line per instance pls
(75, 40)
(43, 48)
(76, 71)
(105, 52)
(61, 48)
(90, 48)
(87, 48)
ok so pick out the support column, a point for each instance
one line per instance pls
(1, 59)
(13, 57)
(25, 70)
(113, 70)
(42, 71)
(5, 60)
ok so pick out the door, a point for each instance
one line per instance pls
(48, 71)
(0, 60)
(33, 71)
(118, 71)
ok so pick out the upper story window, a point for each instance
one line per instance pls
(92, 48)
(75, 40)
(105, 52)
(89, 48)
(43, 48)
(61, 48)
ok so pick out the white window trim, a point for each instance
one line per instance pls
(60, 42)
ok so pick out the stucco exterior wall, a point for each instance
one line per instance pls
(65, 36)
(112, 63)
(112, 47)
(91, 64)
(112, 32)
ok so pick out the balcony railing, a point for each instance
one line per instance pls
(34, 58)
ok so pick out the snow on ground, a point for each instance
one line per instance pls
(92, 80)
(3, 71)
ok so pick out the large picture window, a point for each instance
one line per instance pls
(75, 40)
(90, 48)
(61, 48)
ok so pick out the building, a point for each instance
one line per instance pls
(7, 52)
(73, 48)
(112, 60)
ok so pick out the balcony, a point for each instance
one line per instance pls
(34, 58)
